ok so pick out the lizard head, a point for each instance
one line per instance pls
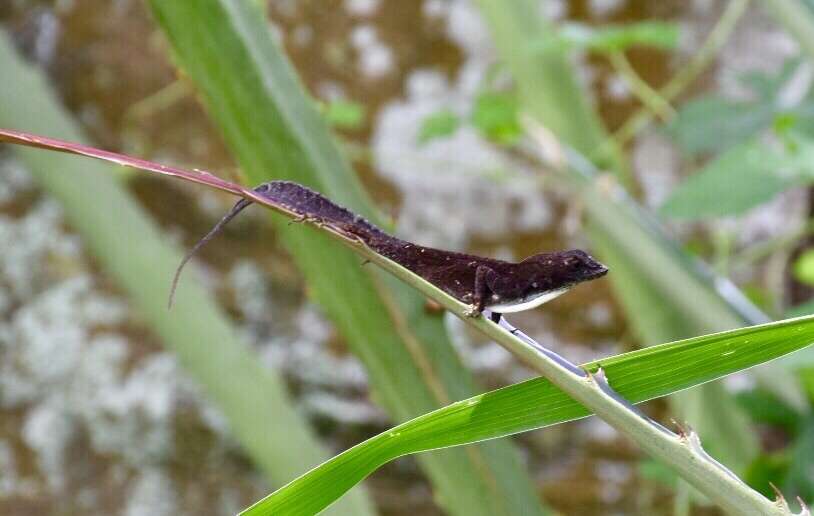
(543, 277)
(577, 266)
(566, 268)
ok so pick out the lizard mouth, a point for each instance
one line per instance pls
(597, 270)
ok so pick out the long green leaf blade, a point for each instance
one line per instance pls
(638, 376)
(271, 127)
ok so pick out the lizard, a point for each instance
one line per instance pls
(482, 283)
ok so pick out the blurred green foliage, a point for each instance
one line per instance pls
(438, 125)
(343, 114)
(610, 38)
(758, 147)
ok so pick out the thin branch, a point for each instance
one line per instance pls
(651, 98)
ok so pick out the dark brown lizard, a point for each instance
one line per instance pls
(483, 283)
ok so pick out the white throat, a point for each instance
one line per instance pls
(527, 303)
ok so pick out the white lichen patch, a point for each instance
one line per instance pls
(332, 385)
(69, 373)
(362, 7)
(151, 493)
(375, 58)
(656, 164)
(30, 240)
(248, 283)
(13, 180)
(452, 179)
(305, 355)
(8, 470)
(342, 409)
(612, 477)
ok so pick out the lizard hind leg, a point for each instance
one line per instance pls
(481, 293)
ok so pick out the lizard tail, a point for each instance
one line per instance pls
(237, 208)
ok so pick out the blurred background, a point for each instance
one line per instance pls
(702, 111)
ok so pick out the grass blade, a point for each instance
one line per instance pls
(638, 376)
(273, 131)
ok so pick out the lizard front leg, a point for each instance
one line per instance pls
(481, 293)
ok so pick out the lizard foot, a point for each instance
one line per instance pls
(299, 219)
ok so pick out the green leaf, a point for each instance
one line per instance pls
(804, 267)
(637, 376)
(496, 116)
(271, 127)
(438, 125)
(344, 114)
(741, 178)
(713, 124)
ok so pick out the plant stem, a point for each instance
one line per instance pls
(716, 39)
(651, 99)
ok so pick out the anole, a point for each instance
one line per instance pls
(483, 283)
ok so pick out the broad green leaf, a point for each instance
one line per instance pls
(132, 251)
(638, 376)
(713, 124)
(743, 177)
(271, 127)
(740, 179)
(438, 125)
(495, 115)
(804, 267)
